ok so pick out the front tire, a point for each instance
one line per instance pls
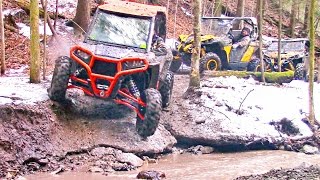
(151, 112)
(255, 66)
(166, 89)
(175, 65)
(211, 62)
(60, 79)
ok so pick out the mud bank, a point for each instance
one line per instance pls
(44, 137)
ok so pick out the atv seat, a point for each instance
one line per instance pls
(236, 33)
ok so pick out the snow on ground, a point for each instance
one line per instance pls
(264, 104)
(17, 90)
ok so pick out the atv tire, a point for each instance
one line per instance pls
(300, 72)
(254, 65)
(60, 79)
(151, 112)
(175, 65)
(166, 89)
(211, 62)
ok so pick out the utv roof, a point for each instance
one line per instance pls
(291, 39)
(132, 8)
(253, 19)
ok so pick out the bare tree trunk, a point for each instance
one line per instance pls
(258, 10)
(194, 75)
(240, 13)
(82, 18)
(311, 62)
(217, 7)
(294, 9)
(56, 15)
(44, 61)
(34, 42)
(175, 18)
(260, 2)
(306, 15)
(3, 47)
(279, 35)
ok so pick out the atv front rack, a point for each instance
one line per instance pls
(91, 87)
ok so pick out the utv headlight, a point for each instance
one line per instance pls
(132, 64)
(83, 56)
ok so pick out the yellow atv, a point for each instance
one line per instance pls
(294, 53)
(216, 45)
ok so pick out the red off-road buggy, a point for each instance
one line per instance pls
(120, 61)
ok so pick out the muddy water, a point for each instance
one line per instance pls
(211, 166)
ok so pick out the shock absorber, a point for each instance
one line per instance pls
(133, 88)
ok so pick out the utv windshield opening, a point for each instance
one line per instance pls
(120, 29)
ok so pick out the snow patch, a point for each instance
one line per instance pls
(18, 90)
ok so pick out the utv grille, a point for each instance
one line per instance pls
(104, 68)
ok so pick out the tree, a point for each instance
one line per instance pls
(279, 35)
(311, 62)
(3, 65)
(44, 61)
(217, 8)
(306, 15)
(294, 10)
(260, 39)
(194, 75)
(82, 18)
(34, 42)
(240, 13)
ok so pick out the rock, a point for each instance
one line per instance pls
(59, 170)
(200, 121)
(33, 166)
(122, 166)
(100, 163)
(43, 161)
(219, 104)
(95, 169)
(307, 149)
(206, 150)
(151, 174)
(129, 158)
(149, 160)
(101, 151)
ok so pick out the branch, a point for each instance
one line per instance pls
(238, 112)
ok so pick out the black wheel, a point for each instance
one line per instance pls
(255, 66)
(211, 62)
(60, 79)
(148, 126)
(166, 89)
(175, 65)
(300, 72)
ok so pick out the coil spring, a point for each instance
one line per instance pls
(133, 88)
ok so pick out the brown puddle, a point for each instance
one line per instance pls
(210, 166)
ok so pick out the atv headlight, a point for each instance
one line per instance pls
(83, 56)
(132, 65)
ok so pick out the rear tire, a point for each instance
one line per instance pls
(300, 72)
(60, 79)
(211, 62)
(151, 112)
(166, 89)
